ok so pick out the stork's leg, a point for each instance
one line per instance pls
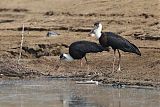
(114, 59)
(86, 59)
(119, 62)
(81, 62)
(88, 68)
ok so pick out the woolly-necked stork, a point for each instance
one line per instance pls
(115, 41)
(79, 49)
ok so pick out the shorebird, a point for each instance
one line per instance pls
(109, 39)
(79, 49)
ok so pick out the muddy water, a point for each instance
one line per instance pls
(66, 93)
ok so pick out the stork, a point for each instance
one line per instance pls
(109, 39)
(79, 49)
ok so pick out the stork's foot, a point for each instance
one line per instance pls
(88, 68)
(112, 71)
(87, 63)
(119, 69)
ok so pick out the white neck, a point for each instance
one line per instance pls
(98, 31)
(68, 57)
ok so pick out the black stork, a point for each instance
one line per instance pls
(79, 49)
(115, 41)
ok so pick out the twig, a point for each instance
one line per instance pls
(20, 52)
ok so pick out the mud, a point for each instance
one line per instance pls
(137, 21)
(37, 51)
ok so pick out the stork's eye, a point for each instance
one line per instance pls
(61, 56)
(96, 24)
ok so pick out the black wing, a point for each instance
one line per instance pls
(118, 42)
(80, 48)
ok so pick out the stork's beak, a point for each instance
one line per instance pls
(92, 33)
(61, 59)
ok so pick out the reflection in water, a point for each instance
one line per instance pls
(65, 93)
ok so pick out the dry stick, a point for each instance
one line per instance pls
(20, 52)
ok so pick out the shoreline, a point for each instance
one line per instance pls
(12, 72)
(138, 22)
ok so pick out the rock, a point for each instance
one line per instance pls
(52, 34)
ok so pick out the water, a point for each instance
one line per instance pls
(66, 93)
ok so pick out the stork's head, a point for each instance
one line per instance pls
(66, 57)
(96, 31)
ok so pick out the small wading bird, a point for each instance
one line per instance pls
(79, 49)
(115, 41)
